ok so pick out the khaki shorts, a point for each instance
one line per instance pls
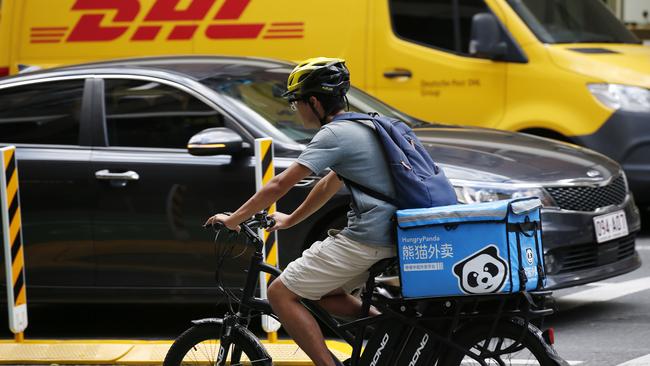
(336, 262)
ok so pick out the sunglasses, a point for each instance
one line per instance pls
(293, 105)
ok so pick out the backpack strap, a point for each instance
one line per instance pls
(370, 192)
(352, 116)
(355, 116)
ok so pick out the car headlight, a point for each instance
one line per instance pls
(475, 192)
(623, 97)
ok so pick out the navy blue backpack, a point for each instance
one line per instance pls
(418, 181)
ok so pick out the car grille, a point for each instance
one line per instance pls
(592, 255)
(585, 198)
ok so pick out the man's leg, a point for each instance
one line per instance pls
(299, 323)
(342, 304)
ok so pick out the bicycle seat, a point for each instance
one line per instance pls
(377, 270)
(381, 266)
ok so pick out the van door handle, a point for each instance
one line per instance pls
(107, 175)
(398, 73)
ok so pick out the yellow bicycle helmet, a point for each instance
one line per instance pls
(320, 75)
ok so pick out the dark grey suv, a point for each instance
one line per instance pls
(113, 202)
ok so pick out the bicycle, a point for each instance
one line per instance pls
(484, 330)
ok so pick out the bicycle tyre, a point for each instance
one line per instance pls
(199, 345)
(535, 352)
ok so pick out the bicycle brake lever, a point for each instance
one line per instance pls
(218, 225)
(270, 222)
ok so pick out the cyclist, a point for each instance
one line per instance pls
(330, 269)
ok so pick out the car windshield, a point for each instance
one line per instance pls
(260, 91)
(572, 21)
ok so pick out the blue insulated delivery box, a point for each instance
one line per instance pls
(483, 248)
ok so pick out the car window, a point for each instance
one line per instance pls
(443, 24)
(43, 113)
(260, 91)
(143, 113)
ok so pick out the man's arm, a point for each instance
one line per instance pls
(319, 195)
(270, 193)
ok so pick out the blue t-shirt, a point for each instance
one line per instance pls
(353, 151)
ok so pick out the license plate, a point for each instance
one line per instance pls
(610, 226)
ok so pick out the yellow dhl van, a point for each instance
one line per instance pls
(566, 69)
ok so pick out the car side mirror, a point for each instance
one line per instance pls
(215, 141)
(487, 39)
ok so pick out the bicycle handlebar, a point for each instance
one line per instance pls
(259, 220)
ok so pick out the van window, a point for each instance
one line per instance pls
(149, 114)
(443, 24)
(44, 113)
(572, 21)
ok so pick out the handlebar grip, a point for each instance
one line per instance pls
(270, 222)
(218, 226)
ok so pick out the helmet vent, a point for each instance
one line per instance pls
(302, 77)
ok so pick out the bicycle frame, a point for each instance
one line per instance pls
(520, 306)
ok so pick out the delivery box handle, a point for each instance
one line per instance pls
(450, 227)
(527, 228)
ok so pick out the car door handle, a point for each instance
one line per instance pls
(107, 175)
(398, 73)
(306, 181)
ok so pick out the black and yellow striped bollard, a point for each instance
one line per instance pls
(264, 172)
(13, 243)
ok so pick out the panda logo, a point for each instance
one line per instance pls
(483, 272)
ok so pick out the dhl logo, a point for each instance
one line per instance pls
(96, 27)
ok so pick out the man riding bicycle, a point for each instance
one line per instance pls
(330, 269)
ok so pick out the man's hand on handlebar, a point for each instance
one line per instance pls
(282, 221)
(224, 220)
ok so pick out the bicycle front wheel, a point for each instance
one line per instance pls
(200, 345)
(506, 347)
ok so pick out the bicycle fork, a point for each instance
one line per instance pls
(230, 324)
(236, 325)
(224, 343)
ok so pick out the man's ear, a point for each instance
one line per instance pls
(314, 101)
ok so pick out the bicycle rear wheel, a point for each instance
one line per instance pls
(530, 351)
(200, 345)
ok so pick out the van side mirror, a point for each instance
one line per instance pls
(487, 39)
(215, 141)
